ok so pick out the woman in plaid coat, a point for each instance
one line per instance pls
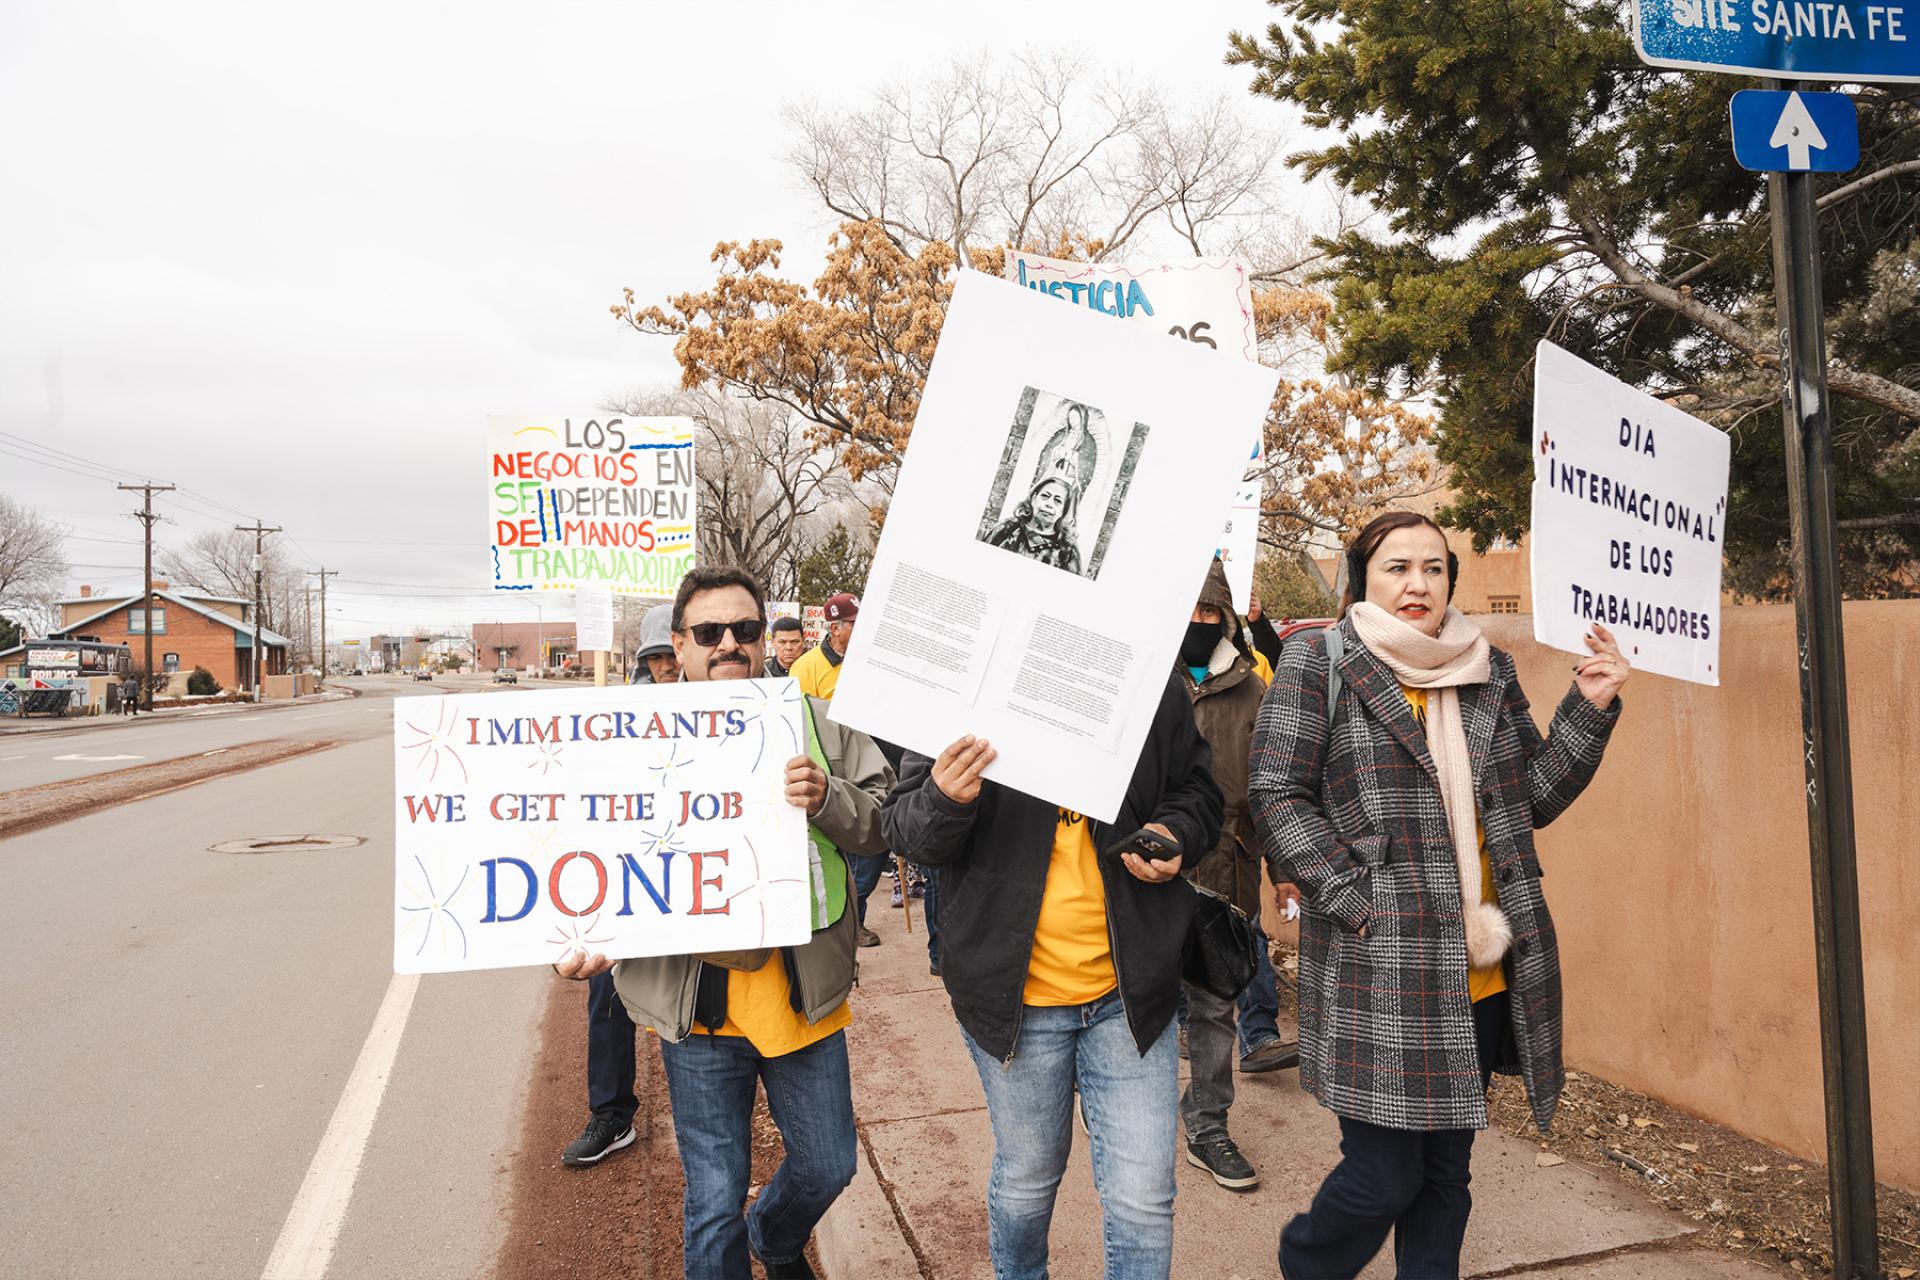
(1405, 812)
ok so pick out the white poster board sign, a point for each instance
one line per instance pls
(624, 821)
(1044, 549)
(590, 500)
(1205, 301)
(593, 619)
(1629, 520)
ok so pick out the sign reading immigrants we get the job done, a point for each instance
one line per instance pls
(1629, 520)
(608, 820)
(590, 501)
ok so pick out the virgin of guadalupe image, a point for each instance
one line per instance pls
(1045, 524)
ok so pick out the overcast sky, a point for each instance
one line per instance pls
(290, 261)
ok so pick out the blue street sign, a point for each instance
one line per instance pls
(1774, 131)
(1789, 39)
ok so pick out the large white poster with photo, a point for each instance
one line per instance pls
(1045, 547)
(1205, 301)
(1629, 520)
(625, 821)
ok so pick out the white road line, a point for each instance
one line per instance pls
(4, 759)
(305, 1246)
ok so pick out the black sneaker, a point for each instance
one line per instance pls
(603, 1136)
(1216, 1153)
(798, 1269)
(1274, 1055)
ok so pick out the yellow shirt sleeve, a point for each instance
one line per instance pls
(1491, 980)
(816, 675)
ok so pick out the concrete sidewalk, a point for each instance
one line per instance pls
(918, 1204)
(11, 726)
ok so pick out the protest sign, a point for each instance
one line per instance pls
(1629, 520)
(778, 609)
(593, 619)
(1043, 550)
(612, 820)
(813, 624)
(590, 500)
(1205, 301)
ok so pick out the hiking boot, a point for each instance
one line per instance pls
(798, 1269)
(1216, 1153)
(1274, 1055)
(868, 938)
(603, 1136)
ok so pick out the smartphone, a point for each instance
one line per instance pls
(1150, 845)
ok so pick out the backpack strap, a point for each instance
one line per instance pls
(1336, 645)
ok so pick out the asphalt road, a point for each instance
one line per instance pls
(31, 759)
(181, 1026)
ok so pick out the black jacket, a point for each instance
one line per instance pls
(993, 856)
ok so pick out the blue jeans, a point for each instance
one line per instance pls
(867, 870)
(610, 1035)
(1259, 1003)
(710, 1082)
(1131, 1104)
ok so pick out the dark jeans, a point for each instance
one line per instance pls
(867, 870)
(710, 1080)
(930, 912)
(1259, 1004)
(1411, 1182)
(609, 1052)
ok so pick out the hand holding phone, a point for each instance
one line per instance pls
(1151, 854)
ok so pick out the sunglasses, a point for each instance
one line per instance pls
(745, 631)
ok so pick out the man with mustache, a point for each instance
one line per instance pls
(728, 1022)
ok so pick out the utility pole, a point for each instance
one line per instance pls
(259, 532)
(323, 573)
(146, 516)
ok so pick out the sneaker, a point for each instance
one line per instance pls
(933, 968)
(1216, 1153)
(603, 1136)
(917, 890)
(868, 938)
(898, 901)
(798, 1269)
(1274, 1055)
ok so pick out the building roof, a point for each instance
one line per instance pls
(197, 595)
(268, 636)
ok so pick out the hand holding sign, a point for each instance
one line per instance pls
(1600, 677)
(806, 785)
(957, 771)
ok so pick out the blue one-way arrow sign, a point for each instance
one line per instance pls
(1794, 132)
(1876, 42)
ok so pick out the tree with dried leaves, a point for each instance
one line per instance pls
(33, 566)
(766, 490)
(220, 562)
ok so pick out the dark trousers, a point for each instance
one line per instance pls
(867, 870)
(1411, 1182)
(610, 1035)
(930, 912)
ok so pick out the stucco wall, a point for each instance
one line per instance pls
(1682, 892)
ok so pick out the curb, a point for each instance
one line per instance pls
(860, 1238)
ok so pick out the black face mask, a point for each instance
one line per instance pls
(1197, 646)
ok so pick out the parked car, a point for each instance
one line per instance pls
(423, 674)
(505, 676)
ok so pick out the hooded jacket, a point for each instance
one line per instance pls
(994, 854)
(1225, 703)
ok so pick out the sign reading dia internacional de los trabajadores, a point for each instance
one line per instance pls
(589, 500)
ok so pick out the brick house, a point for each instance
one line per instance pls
(190, 629)
(524, 645)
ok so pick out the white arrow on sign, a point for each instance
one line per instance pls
(1797, 133)
(86, 757)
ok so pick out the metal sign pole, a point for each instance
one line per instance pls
(1823, 719)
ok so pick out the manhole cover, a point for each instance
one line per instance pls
(286, 844)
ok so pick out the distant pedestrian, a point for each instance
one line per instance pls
(130, 696)
(1039, 907)
(789, 641)
(1404, 806)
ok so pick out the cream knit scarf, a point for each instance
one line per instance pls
(1440, 664)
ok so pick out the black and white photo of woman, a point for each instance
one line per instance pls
(1045, 525)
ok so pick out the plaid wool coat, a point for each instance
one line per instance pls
(1354, 817)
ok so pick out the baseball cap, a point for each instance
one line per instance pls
(843, 607)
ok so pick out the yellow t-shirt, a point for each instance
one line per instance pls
(1072, 959)
(759, 1007)
(1491, 980)
(818, 678)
